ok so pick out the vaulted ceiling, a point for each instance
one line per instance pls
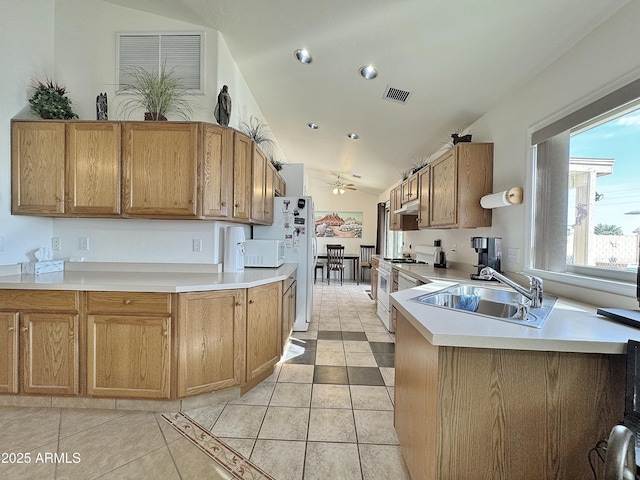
(457, 58)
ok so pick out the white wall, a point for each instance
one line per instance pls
(605, 59)
(28, 25)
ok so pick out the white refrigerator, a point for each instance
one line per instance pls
(293, 223)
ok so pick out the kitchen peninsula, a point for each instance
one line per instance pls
(483, 398)
(139, 331)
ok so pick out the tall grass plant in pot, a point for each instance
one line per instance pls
(158, 94)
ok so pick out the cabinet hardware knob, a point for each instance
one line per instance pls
(11, 329)
(224, 204)
(238, 304)
(165, 333)
(251, 301)
(237, 205)
(127, 301)
(24, 329)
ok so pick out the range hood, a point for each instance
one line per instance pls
(409, 208)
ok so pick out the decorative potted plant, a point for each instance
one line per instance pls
(258, 131)
(159, 94)
(49, 101)
(277, 164)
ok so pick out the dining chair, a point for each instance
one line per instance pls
(319, 266)
(365, 258)
(335, 261)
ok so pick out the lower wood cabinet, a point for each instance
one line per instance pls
(289, 298)
(211, 348)
(129, 344)
(264, 310)
(39, 342)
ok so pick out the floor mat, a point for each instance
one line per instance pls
(225, 456)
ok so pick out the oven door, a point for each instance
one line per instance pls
(384, 287)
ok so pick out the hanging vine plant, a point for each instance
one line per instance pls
(49, 101)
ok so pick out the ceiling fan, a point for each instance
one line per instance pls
(339, 186)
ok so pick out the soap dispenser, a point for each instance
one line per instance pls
(439, 257)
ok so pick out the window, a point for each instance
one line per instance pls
(587, 208)
(182, 53)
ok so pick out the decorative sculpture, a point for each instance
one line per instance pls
(101, 107)
(222, 110)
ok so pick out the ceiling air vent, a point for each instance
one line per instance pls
(396, 95)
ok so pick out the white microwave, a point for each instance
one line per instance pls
(263, 253)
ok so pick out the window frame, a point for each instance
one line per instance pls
(160, 34)
(621, 283)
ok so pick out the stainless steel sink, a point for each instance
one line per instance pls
(505, 305)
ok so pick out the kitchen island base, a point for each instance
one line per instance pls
(501, 414)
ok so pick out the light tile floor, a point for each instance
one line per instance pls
(326, 413)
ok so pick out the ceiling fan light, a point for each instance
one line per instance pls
(303, 55)
(335, 191)
(341, 191)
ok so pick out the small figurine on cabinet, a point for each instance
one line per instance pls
(222, 110)
(101, 107)
(458, 139)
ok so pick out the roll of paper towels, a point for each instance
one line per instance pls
(512, 196)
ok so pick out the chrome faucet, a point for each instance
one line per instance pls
(535, 285)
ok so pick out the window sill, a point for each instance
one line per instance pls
(626, 289)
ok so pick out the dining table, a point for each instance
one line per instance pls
(355, 259)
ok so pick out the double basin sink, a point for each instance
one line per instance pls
(505, 305)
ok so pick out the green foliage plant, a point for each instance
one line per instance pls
(49, 101)
(605, 229)
(159, 94)
(258, 131)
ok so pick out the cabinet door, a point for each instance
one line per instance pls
(211, 341)
(9, 352)
(393, 218)
(409, 189)
(424, 180)
(242, 148)
(269, 192)
(288, 312)
(258, 169)
(93, 168)
(443, 191)
(37, 168)
(160, 162)
(128, 356)
(217, 170)
(264, 305)
(49, 344)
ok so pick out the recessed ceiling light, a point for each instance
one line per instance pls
(353, 136)
(303, 55)
(368, 72)
(313, 126)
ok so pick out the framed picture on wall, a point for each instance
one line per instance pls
(338, 224)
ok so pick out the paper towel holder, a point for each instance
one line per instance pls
(513, 196)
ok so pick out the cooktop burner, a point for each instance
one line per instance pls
(403, 260)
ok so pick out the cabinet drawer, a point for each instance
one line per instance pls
(34, 300)
(128, 302)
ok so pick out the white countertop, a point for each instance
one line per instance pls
(571, 326)
(148, 280)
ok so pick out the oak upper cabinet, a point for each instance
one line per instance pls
(242, 153)
(217, 171)
(280, 188)
(258, 181)
(264, 310)
(37, 168)
(129, 344)
(39, 335)
(269, 191)
(396, 220)
(409, 189)
(160, 169)
(93, 169)
(211, 341)
(459, 179)
(424, 186)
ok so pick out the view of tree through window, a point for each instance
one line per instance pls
(603, 224)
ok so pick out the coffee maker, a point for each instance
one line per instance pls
(489, 254)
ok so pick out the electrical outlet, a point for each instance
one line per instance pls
(197, 245)
(83, 243)
(454, 248)
(513, 255)
(55, 244)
